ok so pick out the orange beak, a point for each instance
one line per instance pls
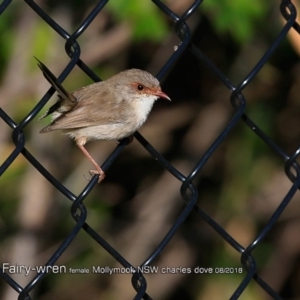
(161, 94)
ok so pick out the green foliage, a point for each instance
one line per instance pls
(239, 18)
(249, 161)
(43, 36)
(146, 20)
(6, 39)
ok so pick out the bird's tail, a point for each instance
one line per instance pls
(65, 98)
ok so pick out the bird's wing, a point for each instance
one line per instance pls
(65, 95)
(91, 111)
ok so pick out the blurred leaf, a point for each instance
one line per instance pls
(239, 18)
(42, 39)
(146, 20)
(6, 39)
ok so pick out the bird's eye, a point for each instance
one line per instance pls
(140, 87)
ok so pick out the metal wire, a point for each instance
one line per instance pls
(188, 191)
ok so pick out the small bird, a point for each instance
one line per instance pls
(108, 110)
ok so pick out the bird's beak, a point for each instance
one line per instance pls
(161, 94)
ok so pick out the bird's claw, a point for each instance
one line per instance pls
(128, 140)
(95, 172)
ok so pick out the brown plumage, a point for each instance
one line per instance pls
(109, 110)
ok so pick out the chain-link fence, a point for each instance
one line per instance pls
(248, 270)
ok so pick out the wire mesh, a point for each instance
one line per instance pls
(188, 190)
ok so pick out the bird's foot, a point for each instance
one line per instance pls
(96, 172)
(128, 140)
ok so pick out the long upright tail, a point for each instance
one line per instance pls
(65, 97)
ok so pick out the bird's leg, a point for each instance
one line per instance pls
(129, 139)
(98, 170)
